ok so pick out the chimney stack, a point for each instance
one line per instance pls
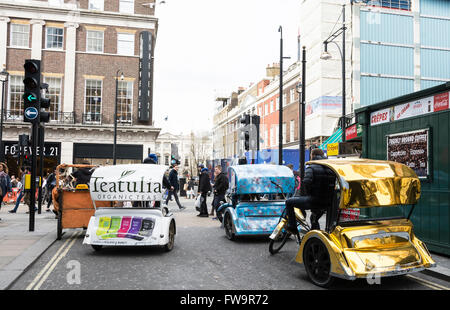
(273, 70)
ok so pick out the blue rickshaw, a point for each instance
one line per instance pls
(256, 199)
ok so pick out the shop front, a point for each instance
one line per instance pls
(102, 154)
(52, 156)
(414, 130)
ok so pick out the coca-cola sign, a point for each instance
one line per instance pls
(353, 132)
(441, 102)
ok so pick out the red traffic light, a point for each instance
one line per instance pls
(31, 67)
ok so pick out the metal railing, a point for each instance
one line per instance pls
(16, 116)
(92, 118)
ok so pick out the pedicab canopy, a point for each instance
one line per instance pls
(261, 179)
(136, 182)
(374, 183)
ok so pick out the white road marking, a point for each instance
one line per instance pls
(50, 266)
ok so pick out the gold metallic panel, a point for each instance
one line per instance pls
(371, 183)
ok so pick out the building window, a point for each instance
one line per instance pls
(166, 160)
(284, 133)
(20, 35)
(284, 99)
(291, 131)
(266, 109)
(93, 101)
(186, 162)
(94, 41)
(124, 101)
(54, 93)
(126, 6)
(55, 38)
(266, 138)
(392, 4)
(292, 92)
(271, 106)
(125, 44)
(98, 5)
(15, 104)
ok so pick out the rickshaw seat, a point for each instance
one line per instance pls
(75, 208)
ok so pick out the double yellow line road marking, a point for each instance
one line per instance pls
(429, 284)
(51, 265)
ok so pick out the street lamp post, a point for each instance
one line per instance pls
(326, 55)
(280, 125)
(301, 88)
(115, 115)
(4, 75)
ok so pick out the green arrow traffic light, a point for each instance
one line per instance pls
(30, 98)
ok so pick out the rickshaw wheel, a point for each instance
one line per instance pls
(276, 245)
(169, 246)
(317, 262)
(97, 247)
(228, 224)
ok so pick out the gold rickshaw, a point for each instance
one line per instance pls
(368, 231)
(73, 205)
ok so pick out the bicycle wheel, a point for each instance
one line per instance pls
(275, 245)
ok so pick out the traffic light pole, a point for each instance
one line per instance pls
(41, 165)
(34, 138)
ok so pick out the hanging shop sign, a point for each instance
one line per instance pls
(353, 131)
(412, 149)
(332, 149)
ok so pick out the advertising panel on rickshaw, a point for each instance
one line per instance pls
(137, 219)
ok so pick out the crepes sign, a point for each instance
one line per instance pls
(410, 148)
(142, 182)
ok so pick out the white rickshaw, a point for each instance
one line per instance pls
(137, 219)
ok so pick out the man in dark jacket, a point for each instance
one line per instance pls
(203, 188)
(220, 188)
(317, 193)
(173, 180)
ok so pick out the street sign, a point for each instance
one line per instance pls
(31, 113)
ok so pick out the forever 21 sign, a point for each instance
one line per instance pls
(50, 149)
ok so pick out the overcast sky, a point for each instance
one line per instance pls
(205, 46)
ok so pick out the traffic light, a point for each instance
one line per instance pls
(245, 119)
(246, 140)
(32, 94)
(34, 101)
(44, 116)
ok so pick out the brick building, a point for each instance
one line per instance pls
(84, 47)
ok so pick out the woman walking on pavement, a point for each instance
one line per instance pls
(5, 182)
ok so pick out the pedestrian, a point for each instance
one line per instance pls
(220, 188)
(21, 186)
(50, 185)
(82, 175)
(204, 188)
(5, 182)
(175, 185)
(14, 181)
(190, 192)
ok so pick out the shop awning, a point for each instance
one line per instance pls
(334, 138)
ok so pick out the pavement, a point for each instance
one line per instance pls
(20, 248)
